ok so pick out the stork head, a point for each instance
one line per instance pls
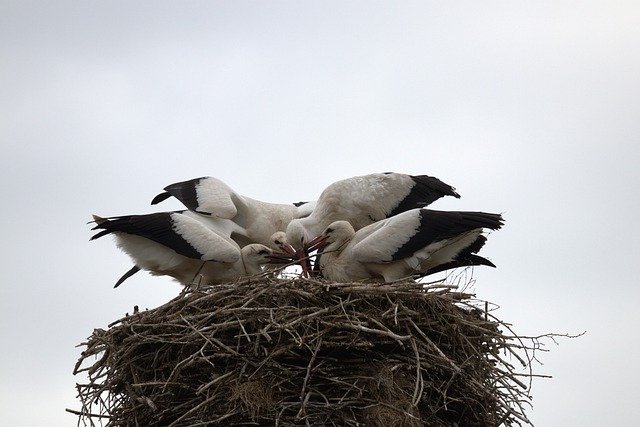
(279, 242)
(256, 255)
(333, 237)
(297, 235)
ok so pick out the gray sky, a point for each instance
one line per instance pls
(527, 109)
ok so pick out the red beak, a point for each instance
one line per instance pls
(280, 258)
(289, 249)
(318, 243)
(303, 259)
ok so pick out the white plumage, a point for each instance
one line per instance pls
(363, 200)
(176, 245)
(246, 220)
(415, 242)
(374, 227)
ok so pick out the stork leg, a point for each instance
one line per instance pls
(193, 280)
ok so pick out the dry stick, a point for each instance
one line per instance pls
(358, 327)
(306, 378)
(86, 414)
(417, 391)
(307, 317)
(384, 327)
(520, 415)
(210, 383)
(194, 409)
(211, 340)
(233, 296)
(526, 350)
(303, 406)
(243, 329)
(435, 347)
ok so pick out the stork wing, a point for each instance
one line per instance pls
(423, 191)
(205, 195)
(402, 235)
(176, 231)
(380, 241)
(305, 208)
(362, 200)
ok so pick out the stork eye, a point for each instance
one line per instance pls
(329, 230)
(278, 242)
(263, 252)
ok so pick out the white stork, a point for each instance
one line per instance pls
(176, 245)
(281, 244)
(246, 220)
(363, 200)
(415, 242)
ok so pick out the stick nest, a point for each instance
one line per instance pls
(305, 352)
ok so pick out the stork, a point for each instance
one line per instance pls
(414, 242)
(280, 242)
(363, 200)
(245, 219)
(176, 245)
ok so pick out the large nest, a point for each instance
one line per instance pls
(306, 352)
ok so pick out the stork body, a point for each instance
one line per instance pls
(176, 245)
(363, 200)
(245, 219)
(415, 242)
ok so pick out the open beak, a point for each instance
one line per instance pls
(281, 257)
(305, 263)
(289, 249)
(303, 255)
(318, 243)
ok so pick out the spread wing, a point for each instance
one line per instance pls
(402, 235)
(362, 200)
(186, 236)
(205, 195)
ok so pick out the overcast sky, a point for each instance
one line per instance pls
(527, 109)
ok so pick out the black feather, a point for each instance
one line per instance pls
(157, 227)
(160, 198)
(126, 275)
(426, 190)
(439, 225)
(185, 191)
(467, 257)
(473, 248)
(100, 234)
(471, 260)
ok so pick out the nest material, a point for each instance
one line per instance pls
(304, 352)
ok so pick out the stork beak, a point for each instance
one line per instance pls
(318, 243)
(303, 260)
(280, 258)
(289, 249)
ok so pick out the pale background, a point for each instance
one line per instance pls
(529, 109)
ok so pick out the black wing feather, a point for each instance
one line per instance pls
(466, 258)
(439, 225)
(126, 275)
(157, 227)
(426, 190)
(160, 198)
(471, 260)
(185, 191)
